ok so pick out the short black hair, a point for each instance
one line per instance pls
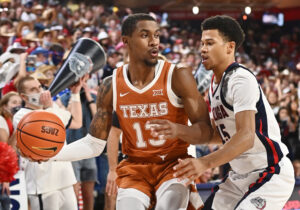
(227, 26)
(130, 22)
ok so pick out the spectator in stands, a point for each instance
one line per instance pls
(9, 105)
(28, 15)
(112, 60)
(49, 185)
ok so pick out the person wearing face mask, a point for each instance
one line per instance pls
(8, 104)
(24, 28)
(47, 36)
(49, 185)
(41, 56)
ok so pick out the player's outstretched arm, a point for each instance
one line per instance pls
(240, 142)
(184, 86)
(94, 142)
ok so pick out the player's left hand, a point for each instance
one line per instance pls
(189, 169)
(163, 129)
(111, 185)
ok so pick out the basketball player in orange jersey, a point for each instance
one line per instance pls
(145, 89)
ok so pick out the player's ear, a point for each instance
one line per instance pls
(125, 40)
(23, 96)
(230, 47)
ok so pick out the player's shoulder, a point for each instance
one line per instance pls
(183, 67)
(241, 73)
(107, 81)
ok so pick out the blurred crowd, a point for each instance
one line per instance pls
(36, 37)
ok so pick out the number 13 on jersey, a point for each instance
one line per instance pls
(141, 143)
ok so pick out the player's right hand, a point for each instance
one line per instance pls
(163, 129)
(111, 185)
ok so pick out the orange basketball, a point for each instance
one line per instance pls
(40, 135)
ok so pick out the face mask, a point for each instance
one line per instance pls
(15, 109)
(25, 32)
(34, 99)
(38, 63)
(47, 43)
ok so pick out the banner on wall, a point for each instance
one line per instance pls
(18, 196)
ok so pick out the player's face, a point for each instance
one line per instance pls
(144, 42)
(214, 49)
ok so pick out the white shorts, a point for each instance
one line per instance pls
(55, 200)
(265, 189)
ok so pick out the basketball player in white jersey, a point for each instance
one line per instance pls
(262, 176)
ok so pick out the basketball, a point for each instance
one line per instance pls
(40, 135)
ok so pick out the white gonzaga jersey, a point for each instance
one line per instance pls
(239, 91)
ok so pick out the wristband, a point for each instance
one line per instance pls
(75, 97)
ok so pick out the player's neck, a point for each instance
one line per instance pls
(221, 68)
(140, 75)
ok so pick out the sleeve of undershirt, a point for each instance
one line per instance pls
(245, 91)
(115, 120)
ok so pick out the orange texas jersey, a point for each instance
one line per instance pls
(134, 107)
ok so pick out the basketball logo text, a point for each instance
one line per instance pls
(158, 92)
(219, 112)
(50, 130)
(144, 110)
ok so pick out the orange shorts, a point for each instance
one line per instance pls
(145, 177)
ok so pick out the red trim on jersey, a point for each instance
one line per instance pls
(263, 176)
(211, 84)
(272, 171)
(275, 155)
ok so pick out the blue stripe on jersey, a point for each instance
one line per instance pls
(274, 153)
(208, 203)
(264, 177)
(230, 68)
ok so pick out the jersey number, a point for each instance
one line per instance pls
(141, 143)
(225, 136)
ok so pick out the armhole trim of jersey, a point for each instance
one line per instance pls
(227, 105)
(114, 87)
(173, 98)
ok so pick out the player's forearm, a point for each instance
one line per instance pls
(198, 133)
(84, 148)
(113, 148)
(112, 154)
(238, 144)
